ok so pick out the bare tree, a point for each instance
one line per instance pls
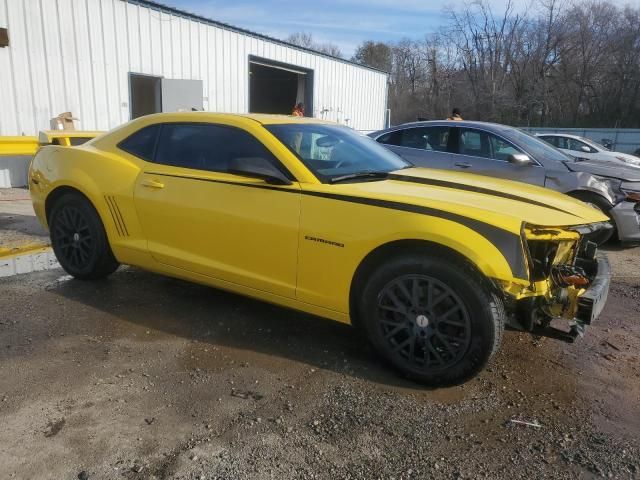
(302, 39)
(305, 39)
(554, 64)
(374, 54)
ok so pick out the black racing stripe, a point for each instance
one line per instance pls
(227, 182)
(471, 188)
(508, 243)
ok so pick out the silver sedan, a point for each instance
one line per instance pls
(501, 151)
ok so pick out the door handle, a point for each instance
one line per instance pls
(462, 164)
(152, 184)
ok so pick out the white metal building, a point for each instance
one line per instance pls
(107, 61)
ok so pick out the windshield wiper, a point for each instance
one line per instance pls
(355, 175)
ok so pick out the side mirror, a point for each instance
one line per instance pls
(519, 159)
(585, 149)
(258, 167)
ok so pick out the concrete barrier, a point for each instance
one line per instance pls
(27, 259)
(14, 171)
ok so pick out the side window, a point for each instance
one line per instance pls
(391, 138)
(422, 138)
(426, 138)
(474, 143)
(141, 143)
(501, 149)
(577, 146)
(552, 140)
(414, 138)
(573, 144)
(204, 146)
(561, 142)
(478, 143)
(437, 138)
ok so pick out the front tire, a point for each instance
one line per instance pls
(79, 240)
(434, 319)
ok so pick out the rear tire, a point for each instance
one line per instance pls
(79, 240)
(434, 319)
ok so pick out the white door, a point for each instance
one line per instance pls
(181, 95)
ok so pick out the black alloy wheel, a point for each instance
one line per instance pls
(73, 237)
(79, 240)
(424, 321)
(434, 317)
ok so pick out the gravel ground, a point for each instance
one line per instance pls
(142, 377)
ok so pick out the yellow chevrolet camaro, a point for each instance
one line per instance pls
(430, 264)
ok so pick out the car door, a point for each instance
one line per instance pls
(486, 153)
(425, 146)
(199, 217)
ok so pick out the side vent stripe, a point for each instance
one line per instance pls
(119, 213)
(113, 217)
(117, 217)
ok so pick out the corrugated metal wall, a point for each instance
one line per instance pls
(75, 55)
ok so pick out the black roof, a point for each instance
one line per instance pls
(215, 23)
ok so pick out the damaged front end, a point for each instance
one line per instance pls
(569, 281)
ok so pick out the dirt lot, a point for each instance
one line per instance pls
(143, 376)
(18, 223)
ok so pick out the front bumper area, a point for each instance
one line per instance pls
(626, 215)
(590, 303)
(564, 312)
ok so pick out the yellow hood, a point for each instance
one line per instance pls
(504, 203)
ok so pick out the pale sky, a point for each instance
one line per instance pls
(345, 23)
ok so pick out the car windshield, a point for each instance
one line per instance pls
(537, 147)
(335, 153)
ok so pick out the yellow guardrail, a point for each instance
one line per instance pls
(23, 249)
(19, 145)
(14, 146)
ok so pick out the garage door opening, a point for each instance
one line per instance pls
(277, 87)
(149, 94)
(146, 94)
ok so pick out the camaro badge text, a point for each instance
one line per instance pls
(322, 240)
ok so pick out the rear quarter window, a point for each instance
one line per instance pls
(141, 143)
